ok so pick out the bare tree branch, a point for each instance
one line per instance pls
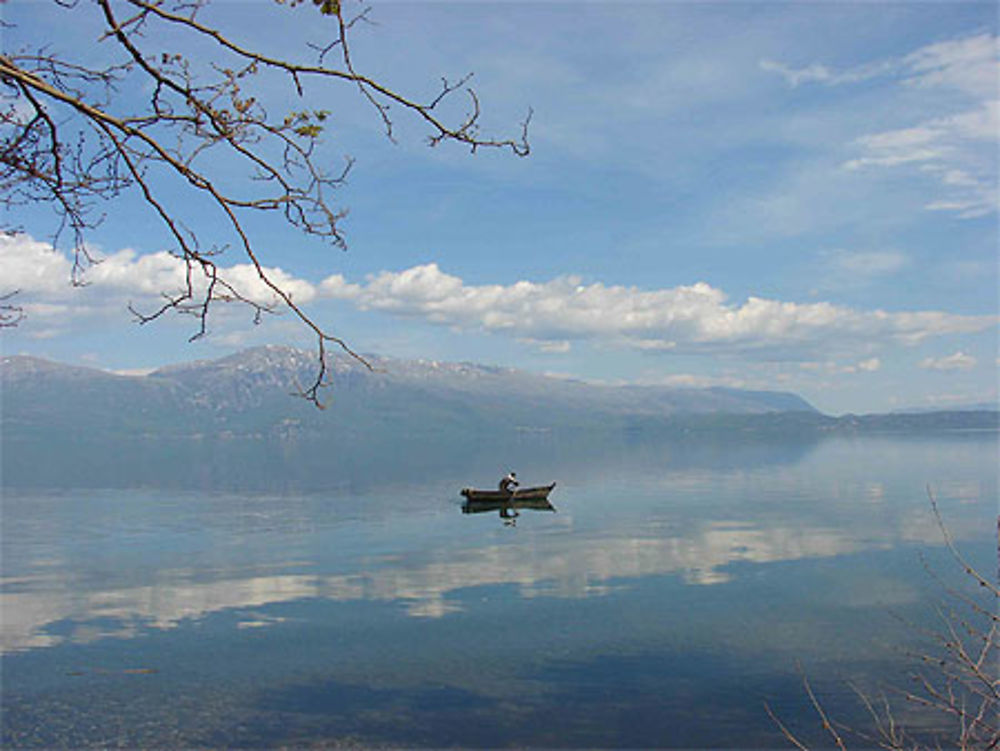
(959, 677)
(72, 138)
(10, 314)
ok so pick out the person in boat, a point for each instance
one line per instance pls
(508, 483)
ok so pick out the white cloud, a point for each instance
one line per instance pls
(43, 277)
(30, 265)
(337, 287)
(958, 151)
(965, 63)
(956, 144)
(957, 361)
(687, 318)
(549, 315)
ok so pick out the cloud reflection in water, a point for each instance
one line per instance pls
(569, 566)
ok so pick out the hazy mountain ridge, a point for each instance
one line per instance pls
(233, 422)
(258, 385)
(254, 378)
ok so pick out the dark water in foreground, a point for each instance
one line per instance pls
(675, 590)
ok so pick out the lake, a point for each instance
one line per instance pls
(677, 589)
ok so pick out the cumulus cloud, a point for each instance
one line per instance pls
(957, 361)
(28, 264)
(43, 277)
(957, 146)
(686, 318)
(549, 315)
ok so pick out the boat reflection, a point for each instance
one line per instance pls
(509, 508)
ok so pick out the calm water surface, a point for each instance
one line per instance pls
(677, 588)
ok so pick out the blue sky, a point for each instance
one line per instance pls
(789, 196)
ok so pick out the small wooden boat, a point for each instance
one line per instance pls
(539, 493)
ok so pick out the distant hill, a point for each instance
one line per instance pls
(233, 420)
(252, 388)
(245, 379)
(971, 407)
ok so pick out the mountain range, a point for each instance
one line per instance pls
(252, 389)
(65, 424)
